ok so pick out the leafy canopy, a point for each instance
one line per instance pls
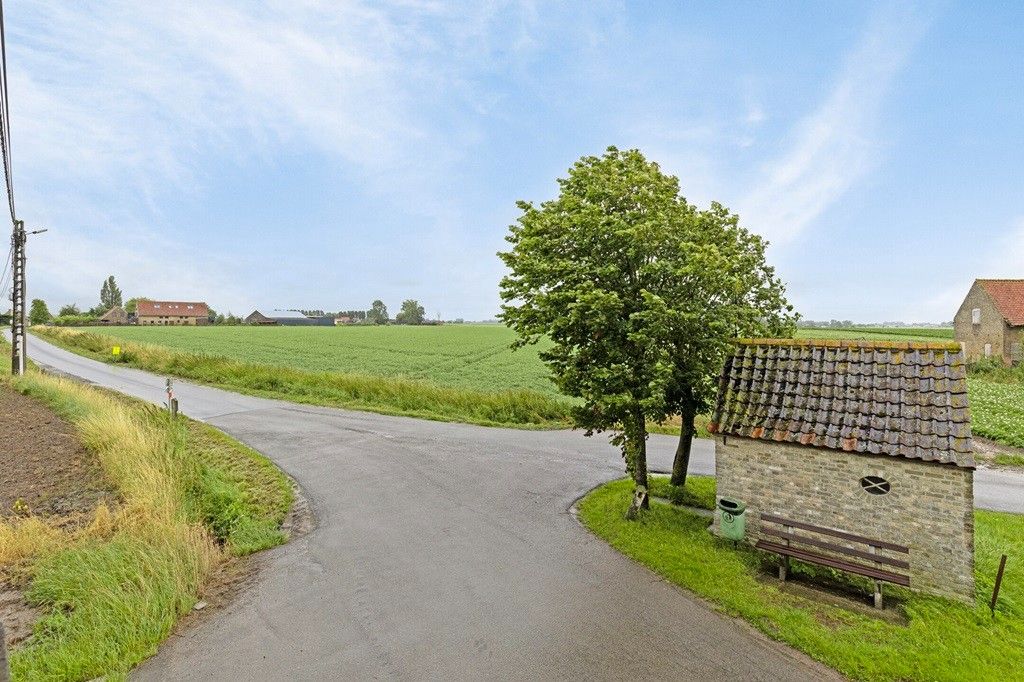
(110, 294)
(411, 313)
(38, 313)
(378, 313)
(639, 292)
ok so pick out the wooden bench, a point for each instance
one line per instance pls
(786, 543)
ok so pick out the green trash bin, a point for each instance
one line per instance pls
(732, 518)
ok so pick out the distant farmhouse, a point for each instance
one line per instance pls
(172, 313)
(114, 316)
(287, 318)
(990, 322)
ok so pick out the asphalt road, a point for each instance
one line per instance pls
(447, 551)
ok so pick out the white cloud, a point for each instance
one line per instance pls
(119, 106)
(834, 146)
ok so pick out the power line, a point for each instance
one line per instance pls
(5, 124)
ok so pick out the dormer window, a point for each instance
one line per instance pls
(976, 316)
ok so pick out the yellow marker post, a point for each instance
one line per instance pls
(117, 352)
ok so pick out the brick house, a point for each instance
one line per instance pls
(990, 321)
(172, 313)
(872, 439)
(114, 316)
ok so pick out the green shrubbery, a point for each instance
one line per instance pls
(74, 320)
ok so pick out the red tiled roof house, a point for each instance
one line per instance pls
(990, 322)
(172, 312)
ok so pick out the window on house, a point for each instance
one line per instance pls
(976, 316)
(875, 485)
(988, 350)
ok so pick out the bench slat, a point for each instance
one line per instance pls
(881, 544)
(847, 566)
(839, 549)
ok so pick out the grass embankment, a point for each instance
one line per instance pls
(113, 585)
(941, 640)
(386, 395)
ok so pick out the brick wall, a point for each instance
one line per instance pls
(992, 329)
(930, 507)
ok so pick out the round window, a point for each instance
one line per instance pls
(875, 485)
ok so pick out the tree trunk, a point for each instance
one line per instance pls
(636, 447)
(681, 463)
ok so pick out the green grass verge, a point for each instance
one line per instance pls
(1009, 460)
(699, 491)
(941, 640)
(190, 496)
(387, 395)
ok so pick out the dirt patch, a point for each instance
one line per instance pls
(17, 615)
(986, 451)
(44, 469)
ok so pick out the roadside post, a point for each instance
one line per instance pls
(172, 402)
(999, 583)
(116, 352)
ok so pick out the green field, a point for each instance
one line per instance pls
(470, 357)
(473, 356)
(934, 334)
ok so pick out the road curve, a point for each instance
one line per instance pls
(441, 551)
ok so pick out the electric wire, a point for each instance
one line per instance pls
(5, 113)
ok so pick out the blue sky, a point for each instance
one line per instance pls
(323, 154)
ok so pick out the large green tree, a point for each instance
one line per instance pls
(38, 313)
(717, 286)
(378, 313)
(585, 271)
(411, 313)
(110, 294)
(640, 293)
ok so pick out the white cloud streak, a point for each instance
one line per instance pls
(118, 107)
(835, 146)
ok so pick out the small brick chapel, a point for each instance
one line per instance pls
(866, 438)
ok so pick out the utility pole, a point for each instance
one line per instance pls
(18, 238)
(19, 353)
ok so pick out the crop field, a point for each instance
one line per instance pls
(478, 357)
(933, 334)
(466, 355)
(469, 355)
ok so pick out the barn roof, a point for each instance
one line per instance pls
(899, 399)
(114, 313)
(1008, 297)
(275, 314)
(172, 309)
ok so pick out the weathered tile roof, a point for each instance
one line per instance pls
(172, 309)
(1008, 297)
(900, 399)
